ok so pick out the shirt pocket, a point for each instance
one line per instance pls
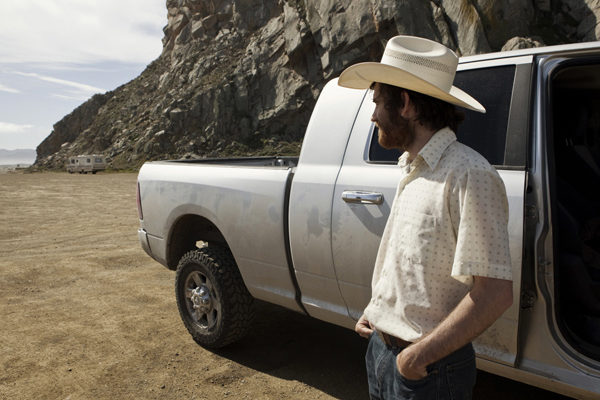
(417, 235)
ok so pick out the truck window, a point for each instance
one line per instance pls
(485, 133)
(575, 126)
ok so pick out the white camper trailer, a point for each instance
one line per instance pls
(86, 163)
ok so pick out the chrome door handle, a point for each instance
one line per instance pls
(359, 197)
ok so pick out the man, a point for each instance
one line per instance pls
(443, 272)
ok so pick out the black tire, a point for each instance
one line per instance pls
(213, 302)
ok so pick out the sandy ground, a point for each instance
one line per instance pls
(86, 314)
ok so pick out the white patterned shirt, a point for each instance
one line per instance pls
(447, 224)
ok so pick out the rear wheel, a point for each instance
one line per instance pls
(214, 304)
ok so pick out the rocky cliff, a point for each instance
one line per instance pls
(240, 77)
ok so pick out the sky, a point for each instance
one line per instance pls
(56, 54)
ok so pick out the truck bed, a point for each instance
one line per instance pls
(246, 198)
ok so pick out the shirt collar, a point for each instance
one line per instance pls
(433, 149)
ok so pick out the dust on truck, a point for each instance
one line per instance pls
(86, 163)
(303, 232)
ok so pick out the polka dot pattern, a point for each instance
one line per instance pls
(447, 224)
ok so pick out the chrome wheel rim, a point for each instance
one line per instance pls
(203, 304)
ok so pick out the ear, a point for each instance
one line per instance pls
(407, 111)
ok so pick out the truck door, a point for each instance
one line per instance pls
(310, 201)
(367, 182)
(569, 245)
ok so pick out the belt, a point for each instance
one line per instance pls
(392, 341)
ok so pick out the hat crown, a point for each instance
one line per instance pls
(426, 59)
(413, 63)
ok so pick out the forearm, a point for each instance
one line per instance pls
(483, 305)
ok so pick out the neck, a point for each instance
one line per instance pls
(422, 136)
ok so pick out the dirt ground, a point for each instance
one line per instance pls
(86, 314)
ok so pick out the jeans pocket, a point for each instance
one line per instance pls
(461, 378)
(415, 382)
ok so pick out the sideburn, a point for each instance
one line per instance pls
(405, 134)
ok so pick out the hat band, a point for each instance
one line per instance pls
(422, 61)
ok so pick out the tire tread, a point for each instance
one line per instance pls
(237, 310)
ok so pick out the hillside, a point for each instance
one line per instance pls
(240, 77)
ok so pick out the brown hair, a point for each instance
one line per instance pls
(431, 112)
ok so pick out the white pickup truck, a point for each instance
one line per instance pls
(303, 232)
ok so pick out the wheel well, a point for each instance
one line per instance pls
(187, 231)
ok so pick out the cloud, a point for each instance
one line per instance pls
(80, 87)
(8, 89)
(81, 31)
(7, 127)
(57, 53)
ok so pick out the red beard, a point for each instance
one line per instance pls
(395, 135)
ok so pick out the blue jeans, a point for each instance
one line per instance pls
(451, 378)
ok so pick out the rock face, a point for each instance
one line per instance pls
(70, 127)
(240, 77)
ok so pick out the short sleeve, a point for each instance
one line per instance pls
(481, 226)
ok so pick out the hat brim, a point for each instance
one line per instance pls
(362, 75)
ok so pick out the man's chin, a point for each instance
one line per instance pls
(388, 146)
(382, 141)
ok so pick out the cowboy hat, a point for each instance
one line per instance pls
(416, 64)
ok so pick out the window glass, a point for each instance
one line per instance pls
(486, 133)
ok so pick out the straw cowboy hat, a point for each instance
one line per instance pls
(416, 64)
